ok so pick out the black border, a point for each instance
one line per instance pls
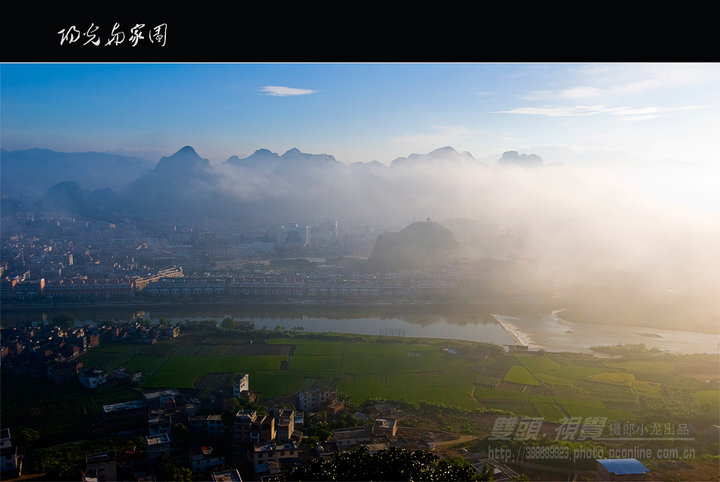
(366, 33)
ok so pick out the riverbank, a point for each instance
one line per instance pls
(521, 339)
(291, 309)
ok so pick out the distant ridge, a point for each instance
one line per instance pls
(445, 154)
(262, 186)
(524, 160)
(34, 171)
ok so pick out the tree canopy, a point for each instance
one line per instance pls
(391, 464)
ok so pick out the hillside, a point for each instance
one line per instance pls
(421, 245)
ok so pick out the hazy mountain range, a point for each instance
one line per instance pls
(264, 185)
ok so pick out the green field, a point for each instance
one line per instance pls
(613, 378)
(520, 374)
(180, 372)
(709, 399)
(549, 385)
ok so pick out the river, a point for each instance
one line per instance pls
(539, 330)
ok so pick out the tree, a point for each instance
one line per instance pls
(227, 324)
(25, 438)
(64, 320)
(167, 471)
(391, 464)
(179, 435)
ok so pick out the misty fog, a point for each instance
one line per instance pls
(643, 234)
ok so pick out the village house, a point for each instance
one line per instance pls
(10, 461)
(385, 427)
(91, 377)
(203, 460)
(232, 475)
(249, 427)
(101, 467)
(158, 446)
(269, 457)
(316, 399)
(241, 385)
(159, 422)
(211, 425)
(346, 438)
(285, 424)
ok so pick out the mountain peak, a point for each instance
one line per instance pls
(295, 154)
(257, 158)
(443, 154)
(185, 158)
(186, 150)
(524, 160)
(442, 151)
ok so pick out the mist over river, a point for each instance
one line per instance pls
(551, 332)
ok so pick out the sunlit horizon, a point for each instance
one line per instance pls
(590, 113)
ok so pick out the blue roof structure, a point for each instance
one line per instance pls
(624, 466)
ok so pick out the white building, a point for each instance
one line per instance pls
(293, 234)
(204, 461)
(10, 463)
(271, 452)
(316, 398)
(91, 378)
(241, 385)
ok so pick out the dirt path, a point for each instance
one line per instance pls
(444, 446)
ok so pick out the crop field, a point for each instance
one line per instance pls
(180, 372)
(317, 363)
(613, 378)
(539, 364)
(548, 409)
(145, 363)
(708, 399)
(547, 385)
(487, 380)
(211, 382)
(520, 374)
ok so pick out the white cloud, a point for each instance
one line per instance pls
(280, 91)
(574, 111)
(573, 93)
(591, 110)
(608, 83)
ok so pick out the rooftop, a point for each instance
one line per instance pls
(115, 407)
(623, 466)
(226, 476)
(161, 438)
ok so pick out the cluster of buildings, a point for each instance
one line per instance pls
(257, 441)
(318, 285)
(157, 418)
(67, 257)
(58, 260)
(51, 350)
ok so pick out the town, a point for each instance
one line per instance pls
(59, 260)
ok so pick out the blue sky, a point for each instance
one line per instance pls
(565, 112)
